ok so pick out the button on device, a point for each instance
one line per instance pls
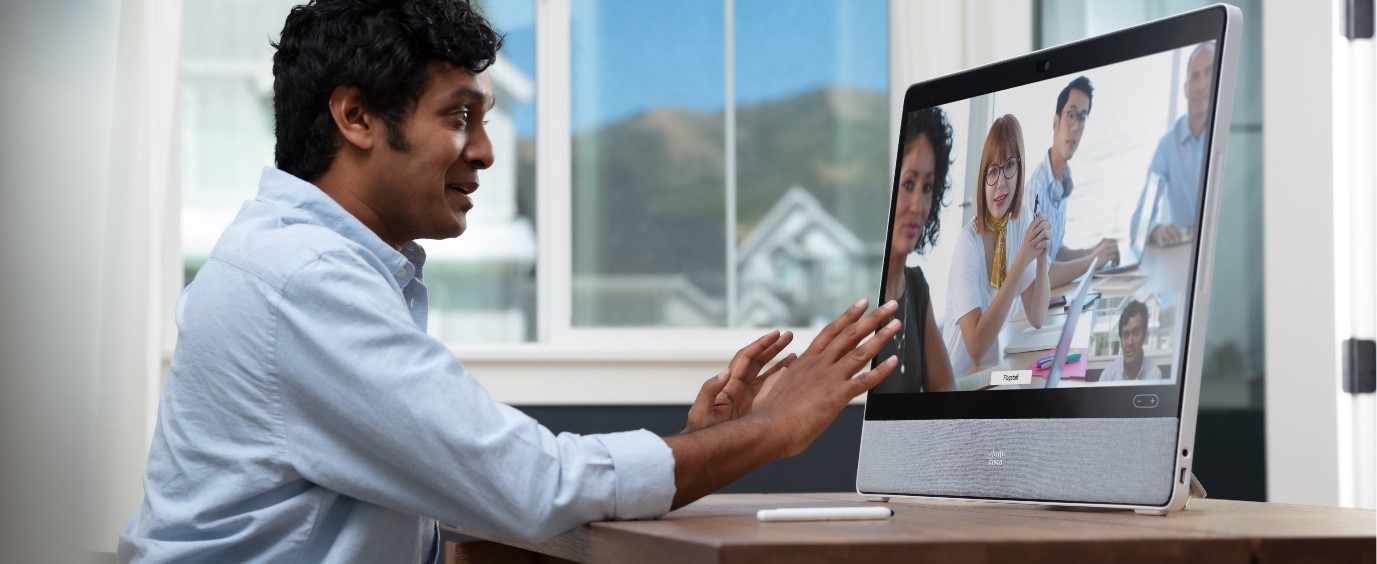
(1145, 401)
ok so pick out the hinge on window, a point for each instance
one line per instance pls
(1358, 19)
(1360, 366)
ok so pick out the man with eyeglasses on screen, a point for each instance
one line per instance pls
(308, 417)
(1050, 187)
(1174, 176)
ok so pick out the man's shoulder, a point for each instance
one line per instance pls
(1151, 371)
(1039, 185)
(1173, 136)
(273, 242)
(1114, 371)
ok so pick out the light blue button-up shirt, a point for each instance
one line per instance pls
(1172, 191)
(1050, 197)
(308, 416)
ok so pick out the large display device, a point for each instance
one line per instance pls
(1050, 242)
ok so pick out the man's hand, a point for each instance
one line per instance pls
(791, 406)
(1168, 234)
(729, 394)
(808, 394)
(1106, 252)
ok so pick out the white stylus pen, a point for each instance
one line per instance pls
(824, 514)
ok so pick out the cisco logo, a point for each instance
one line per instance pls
(996, 457)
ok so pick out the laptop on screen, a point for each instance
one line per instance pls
(1068, 330)
(1007, 177)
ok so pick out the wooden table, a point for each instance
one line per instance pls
(723, 528)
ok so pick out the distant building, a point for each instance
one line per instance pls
(799, 266)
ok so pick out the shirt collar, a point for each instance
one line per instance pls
(276, 186)
(1183, 132)
(1059, 190)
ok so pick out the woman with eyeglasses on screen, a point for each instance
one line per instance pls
(991, 265)
(923, 362)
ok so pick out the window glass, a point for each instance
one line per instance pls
(647, 100)
(670, 231)
(812, 157)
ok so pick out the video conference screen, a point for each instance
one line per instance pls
(1056, 217)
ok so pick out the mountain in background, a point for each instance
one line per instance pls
(649, 191)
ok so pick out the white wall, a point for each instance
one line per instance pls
(53, 189)
(1314, 455)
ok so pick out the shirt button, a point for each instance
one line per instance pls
(401, 272)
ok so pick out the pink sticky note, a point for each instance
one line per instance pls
(1072, 370)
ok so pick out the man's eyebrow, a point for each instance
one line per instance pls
(471, 92)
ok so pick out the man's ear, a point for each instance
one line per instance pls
(358, 127)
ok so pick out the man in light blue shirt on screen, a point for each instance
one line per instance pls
(1172, 192)
(308, 417)
(1051, 185)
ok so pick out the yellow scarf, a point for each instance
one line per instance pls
(998, 266)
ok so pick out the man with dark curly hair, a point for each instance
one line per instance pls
(309, 417)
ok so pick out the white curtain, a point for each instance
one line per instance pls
(142, 259)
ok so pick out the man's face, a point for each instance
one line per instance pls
(423, 192)
(1199, 83)
(1131, 335)
(1068, 125)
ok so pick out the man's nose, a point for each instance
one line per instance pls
(478, 151)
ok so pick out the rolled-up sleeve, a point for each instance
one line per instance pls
(378, 410)
(642, 462)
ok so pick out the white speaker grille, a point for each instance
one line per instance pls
(1116, 461)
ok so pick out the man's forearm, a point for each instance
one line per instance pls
(1061, 273)
(708, 459)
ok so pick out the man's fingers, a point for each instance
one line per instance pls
(1177, 234)
(745, 367)
(837, 325)
(867, 380)
(781, 365)
(741, 363)
(734, 396)
(851, 335)
(708, 393)
(864, 353)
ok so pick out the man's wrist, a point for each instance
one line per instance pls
(760, 429)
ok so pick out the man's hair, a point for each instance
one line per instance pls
(932, 123)
(1005, 134)
(381, 47)
(1131, 309)
(1081, 83)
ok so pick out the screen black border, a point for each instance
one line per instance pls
(1155, 37)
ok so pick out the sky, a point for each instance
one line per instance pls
(630, 56)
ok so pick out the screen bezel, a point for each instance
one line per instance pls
(1113, 401)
